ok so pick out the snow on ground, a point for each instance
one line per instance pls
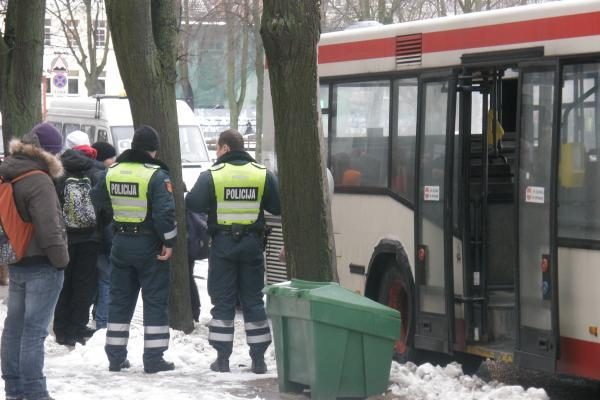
(82, 373)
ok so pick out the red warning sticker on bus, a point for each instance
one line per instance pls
(431, 193)
(534, 194)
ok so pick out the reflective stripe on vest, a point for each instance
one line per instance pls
(127, 185)
(239, 190)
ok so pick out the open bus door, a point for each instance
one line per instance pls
(537, 272)
(433, 228)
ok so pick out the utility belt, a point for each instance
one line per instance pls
(131, 229)
(237, 232)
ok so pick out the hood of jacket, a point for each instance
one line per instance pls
(235, 156)
(76, 162)
(27, 157)
(141, 157)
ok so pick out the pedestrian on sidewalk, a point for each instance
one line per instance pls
(79, 289)
(106, 155)
(139, 191)
(234, 193)
(36, 279)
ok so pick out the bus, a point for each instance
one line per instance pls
(473, 142)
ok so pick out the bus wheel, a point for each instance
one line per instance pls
(395, 291)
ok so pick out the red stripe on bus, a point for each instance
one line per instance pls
(362, 50)
(565, 27)
(569, 26)
(579, 358)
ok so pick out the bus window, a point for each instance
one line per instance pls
(403, 152)
(359, 146)
(579, 168)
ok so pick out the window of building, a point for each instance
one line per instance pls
(48, 86)
(579, 152)
(73, 85)
(101, 83)
(360, 137)
(48, 32)
(100, 33)
(71, 33)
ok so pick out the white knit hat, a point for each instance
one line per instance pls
(77, 138)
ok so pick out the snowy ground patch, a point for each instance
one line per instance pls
(82, 373)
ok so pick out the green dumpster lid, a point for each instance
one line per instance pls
(329, 293)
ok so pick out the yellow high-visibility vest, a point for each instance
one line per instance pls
(239, 190)
(127, 185)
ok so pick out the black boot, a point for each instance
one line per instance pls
(65, 340)
(118, 367)
(259, 366)
(221, 364)
(159, 365)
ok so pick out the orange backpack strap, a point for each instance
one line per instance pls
(26, 174)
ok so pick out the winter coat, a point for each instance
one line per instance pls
(77, 165)
(37, 202)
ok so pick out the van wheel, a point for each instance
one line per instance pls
(396, 291)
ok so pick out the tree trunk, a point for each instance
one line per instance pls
(145, 42)
(21, 60)
(259, 69)
(290, 32)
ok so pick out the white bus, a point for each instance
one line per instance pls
(108, 119)
(474, 143)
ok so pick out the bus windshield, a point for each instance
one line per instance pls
(190, 140)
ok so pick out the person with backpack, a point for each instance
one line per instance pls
(79, 289)
(138, 190)
(36, 270)
(106, 154)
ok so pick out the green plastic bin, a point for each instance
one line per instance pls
(331, 339)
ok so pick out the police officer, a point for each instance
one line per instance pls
(234, 193)
(139, 190)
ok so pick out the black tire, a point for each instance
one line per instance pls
(396, 290)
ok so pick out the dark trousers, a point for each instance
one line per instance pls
(236, 270)
(129, 275)
(79, 289)
(194, 294)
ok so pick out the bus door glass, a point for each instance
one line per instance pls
(537, 339)
(433, 222)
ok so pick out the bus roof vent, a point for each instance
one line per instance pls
(408, 49)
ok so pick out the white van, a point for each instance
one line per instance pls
(108, 119)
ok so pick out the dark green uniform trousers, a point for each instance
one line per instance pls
(236, 271)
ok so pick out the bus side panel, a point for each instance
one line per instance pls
(579, 277)
(358, 230)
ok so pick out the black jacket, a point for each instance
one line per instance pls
(161, 207)
(202, 199)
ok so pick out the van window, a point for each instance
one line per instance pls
(90, 130)
(102, 136)
(192, 146)
(69, 127)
